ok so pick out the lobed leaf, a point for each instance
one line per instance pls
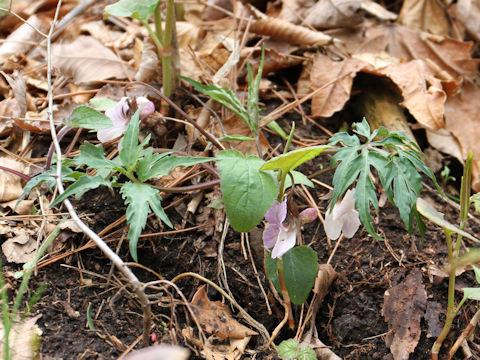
(81, 186)
(248, 192)
(93, 157)
(141, 200)
(130, 150)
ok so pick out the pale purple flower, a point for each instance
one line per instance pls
(343, 218)
(276, 235)
(119, 118)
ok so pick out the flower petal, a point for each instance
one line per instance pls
(308, 215)
(118, 113)
(270, 235)
(345, 205)
(147, 107)
(277, 212)
(286, 241)
(106, 135)
(351, 222)
(332, 226)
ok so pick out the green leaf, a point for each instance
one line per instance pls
(132, 8)
(362, 128)
(161, 165)
(103, 104)
(288, 349)
(435, 216)
(226, 97)
(92, 156)
(300, 268)
(271, 266)
(81, 186)
(298, 178)
(247, 191)
(306, 353)
(289, 161)
(471, 293)
(235, 138)
(88, 118)
(130, 150)
(141, 200)
(477, 273)
(476, 202)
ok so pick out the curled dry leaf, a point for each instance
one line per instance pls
(279, 29)
(10, 184)
(24, 37)
(468, 12)
(424, 15)
(403, 308)
(215, 317)
(20, 249)
(87, 59)
(9, 108)
(19, 89)
(461, 119)
(325, 276)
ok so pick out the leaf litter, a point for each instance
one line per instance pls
(431, 65)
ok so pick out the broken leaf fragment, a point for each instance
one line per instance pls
(215, 317)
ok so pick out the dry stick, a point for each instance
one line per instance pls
(109, 253)
(465, 334)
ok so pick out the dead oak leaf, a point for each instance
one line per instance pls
(403, 308)
(215, 317)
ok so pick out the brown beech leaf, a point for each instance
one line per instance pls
(422, 93)
(468, 12)
(424, 15)
(403, 308)
(87, 59)
(461, 119)
(215, 317)
(333, 97)
(24, 37)
(279, 29)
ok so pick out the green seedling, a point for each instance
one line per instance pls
(453, 248)
(162, 37)
(10, 316)
(292, 350)
(446, 177)
(136, 162)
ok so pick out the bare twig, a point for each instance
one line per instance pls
(109, 253)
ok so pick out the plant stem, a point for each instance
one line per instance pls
(286, 298)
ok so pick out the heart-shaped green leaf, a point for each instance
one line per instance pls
(300, 268)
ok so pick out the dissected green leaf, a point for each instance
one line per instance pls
(93, 158)
(130, 150)
(161, 165)
(300, 268)
(88, 118)
(248, 192)
(81, 186)
(141, 200)
(435, 216)
(132, 8)
(103, 104)
(289, 161)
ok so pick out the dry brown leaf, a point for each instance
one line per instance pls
(8, 107)
(432, 316)
(24, 37)
(461, 119)
(19, 89)
(330, 14)
(282, 30)
(24, 207)
(24, 339)
(378, 11)
(403, 308)
(215, 317)
(10, 184)
(87, 59)
(20, 249)
(468, 12)
(422, 93)
(424, 15)
(325, 276)
(333, 97)
(444, 141)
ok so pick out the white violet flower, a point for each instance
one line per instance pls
(343, 218)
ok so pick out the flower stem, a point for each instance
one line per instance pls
(286, 298)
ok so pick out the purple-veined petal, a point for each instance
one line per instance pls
(308, 215)
(286, 240)
(270, 235)
(351, 222)
(332, 226)
(277, 212)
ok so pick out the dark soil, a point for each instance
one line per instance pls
(350, 318)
